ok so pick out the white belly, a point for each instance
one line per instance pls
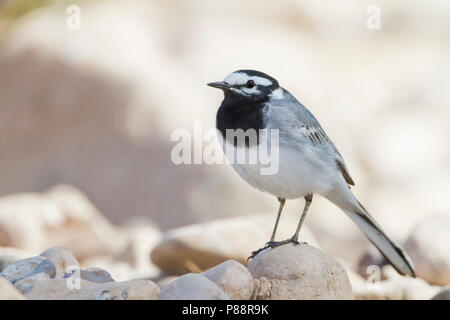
(299, 173)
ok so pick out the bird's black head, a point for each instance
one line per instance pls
(248, 85)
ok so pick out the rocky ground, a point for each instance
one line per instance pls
(90, 258)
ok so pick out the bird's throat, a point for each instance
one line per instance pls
(238, 112)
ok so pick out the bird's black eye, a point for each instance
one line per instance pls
(250, 84)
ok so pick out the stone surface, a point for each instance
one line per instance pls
(428, 246)
(192, 287)
(67, 289)
(37, 267)
(444, 294)
(298, 272)
(233, 278)
(63, 260)
(90, 274)
(96, 275)
(8, 291)
(10, 254)
(197, 247)
(26, 284)
(61, 217)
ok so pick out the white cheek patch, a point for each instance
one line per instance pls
(277, 94)
(240, 78)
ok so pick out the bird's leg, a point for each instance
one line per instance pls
(308, 200)
(294, 238)
(272, 238)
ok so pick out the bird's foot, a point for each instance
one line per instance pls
(274, 244)
(293, 240)
(254, 253)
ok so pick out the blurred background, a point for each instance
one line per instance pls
(86, 116)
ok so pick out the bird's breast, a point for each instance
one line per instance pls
(240, 122)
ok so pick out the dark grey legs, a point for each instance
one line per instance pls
(282, 202)
(294, 239)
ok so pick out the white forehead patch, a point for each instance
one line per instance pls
(237, 78)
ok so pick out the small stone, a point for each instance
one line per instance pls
(129, 290)
(233, 278)
(26, 268)
(300, 272)
(96, 275)
(63, 260)
(192, 286)
(68, 289)
(91, 274)
(26, 284)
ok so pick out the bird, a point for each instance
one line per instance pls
(309, 162)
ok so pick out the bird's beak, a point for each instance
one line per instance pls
(220, 85)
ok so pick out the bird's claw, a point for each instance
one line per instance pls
(273, 244)
(254, 253)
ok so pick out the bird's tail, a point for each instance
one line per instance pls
(392, 252)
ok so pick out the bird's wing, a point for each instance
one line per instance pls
(314, 134)
(317, 136)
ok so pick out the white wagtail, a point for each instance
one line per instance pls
(308, 161)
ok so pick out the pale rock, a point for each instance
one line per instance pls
(68, 289)
(39, 268)
(444, 294)
(90, 274)
(96, 275)
(192, 286)
(130, 290)
(26, 284)
(11, 254)
(298, 272)
(197, 247)
(63, 260)
(62, 217)
(428, 246)
(233, 278)
(8, 291)
(397, 288)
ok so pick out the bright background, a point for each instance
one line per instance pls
(95, 107)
